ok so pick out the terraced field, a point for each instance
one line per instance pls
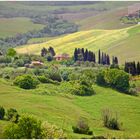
(13, 26)
(106, 40)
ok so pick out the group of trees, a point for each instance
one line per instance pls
(132, 68)
(114, 78)
(84, 55)
(54, 26)
(45, 51)
(48, 53)
(104, 59)
(29, 127)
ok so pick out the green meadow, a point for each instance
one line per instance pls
(13, 26)
(54, 104)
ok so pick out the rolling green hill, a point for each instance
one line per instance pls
(105, 20)
(12, 26)
(52, 103)
(106, 40)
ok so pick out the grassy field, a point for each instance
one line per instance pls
(106, 20)
(106, 40)
(13, 26)
(54, 104)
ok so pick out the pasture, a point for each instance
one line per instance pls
(13, 26)
(54, 104)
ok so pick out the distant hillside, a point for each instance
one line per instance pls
(123, 43)
(13, 26)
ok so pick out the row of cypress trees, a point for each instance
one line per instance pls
(86, 55)
(132, 68)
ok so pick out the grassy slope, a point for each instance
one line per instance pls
(13, 26)
(106, 40)
(106, 20)
(63, 109)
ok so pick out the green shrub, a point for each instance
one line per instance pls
(82, 127)
(114, 78)
(51, 132)
(19, 63)
(11, 52)
(44, 79)
(117, 79)
(110, 121)
(100, 79)
(83, 88)
(65, 75)
(49, 58)
(55, 75)
(26, 82)
(28, 127)
(12, 115)
(5, 59)
(2, 112)
(133, 91)
(12, 131)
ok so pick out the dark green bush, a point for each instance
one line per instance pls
(2, 112)
(117, 79)
(19, 62)
(114, 78)
(100, 79)
(26, 82)
(49, 58)
(82, 127)
(12, 115)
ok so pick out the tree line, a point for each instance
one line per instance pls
(84, 55)
(54, 27)
(132, 68)
(87, 55)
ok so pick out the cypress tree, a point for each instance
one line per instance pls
(108, 60)
(116, 60)
(99, 57)
(103, 59)
(51, 51)
(138, 68)
(43, 52)
(134, 68)
(89, 56)
(83, 52)
(75, 54)
(94, 58)
(126, 69)
(85, 55)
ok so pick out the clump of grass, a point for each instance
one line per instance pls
(110, 120)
